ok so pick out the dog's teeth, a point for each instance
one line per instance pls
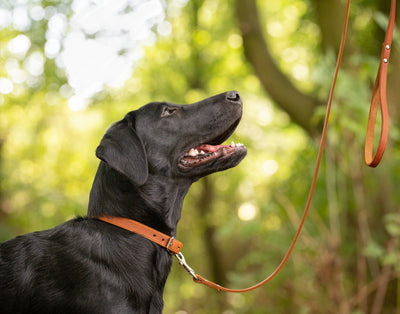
(193, 152)
(202, 152)
(236, 145)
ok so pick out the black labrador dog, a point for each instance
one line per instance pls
(149, 160)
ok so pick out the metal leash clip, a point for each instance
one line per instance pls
(182, 262)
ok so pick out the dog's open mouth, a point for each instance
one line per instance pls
(204, 153)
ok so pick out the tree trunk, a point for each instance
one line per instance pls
(331, 29)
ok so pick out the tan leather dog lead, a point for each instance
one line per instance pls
(206, 282)
(379, 94)
(379, 98)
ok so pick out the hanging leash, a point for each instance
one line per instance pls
(379, 97)
(206, 282)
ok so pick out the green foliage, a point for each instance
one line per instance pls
(47, 160)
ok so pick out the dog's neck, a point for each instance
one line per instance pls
(157, 203)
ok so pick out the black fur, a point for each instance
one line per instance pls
(88, 266)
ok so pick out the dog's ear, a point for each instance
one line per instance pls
(122, 149)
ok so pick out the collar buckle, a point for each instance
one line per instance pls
(170, 242)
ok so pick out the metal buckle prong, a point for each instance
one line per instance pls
(169, 244)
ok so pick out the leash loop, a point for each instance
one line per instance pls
(379, 100)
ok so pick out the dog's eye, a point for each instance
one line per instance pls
(167, 111)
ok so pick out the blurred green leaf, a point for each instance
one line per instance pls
(373, 250)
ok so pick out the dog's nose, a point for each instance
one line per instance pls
(233, 96)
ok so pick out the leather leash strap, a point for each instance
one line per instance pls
(206, 282)
(170, 243)
(379, 99)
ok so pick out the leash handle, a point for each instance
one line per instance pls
(379, 100)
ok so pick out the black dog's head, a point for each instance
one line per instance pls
(175, 140)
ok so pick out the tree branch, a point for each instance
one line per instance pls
(277, 85)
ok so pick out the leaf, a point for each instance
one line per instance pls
(373, 250)
(392, 258)
(392, 224)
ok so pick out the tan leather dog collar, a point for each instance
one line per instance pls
(170, 243)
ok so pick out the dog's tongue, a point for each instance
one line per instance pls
(209, 148)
